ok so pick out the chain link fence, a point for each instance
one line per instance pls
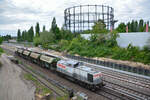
(127, 68)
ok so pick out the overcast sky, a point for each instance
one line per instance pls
(22, 14)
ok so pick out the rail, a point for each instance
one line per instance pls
(113, 65)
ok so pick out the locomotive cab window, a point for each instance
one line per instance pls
(76, 65)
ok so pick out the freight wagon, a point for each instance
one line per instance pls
(73, 70)
(48, 61)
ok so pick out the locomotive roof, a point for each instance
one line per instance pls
(81, 67)
(72, 62)
(49, 54)
(88, 69)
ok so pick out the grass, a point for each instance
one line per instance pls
(40, 89)
(62, 98)
(1, 51)
(0, 64)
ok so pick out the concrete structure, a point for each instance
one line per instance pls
(139, 39)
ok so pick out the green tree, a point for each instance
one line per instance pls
(99, 27)
(36, 41)
(37, 29)
(141, 25)
(30, 34)
(1, 40)
(129, 26)
(6, 38)
(132, 26)
(66, 34)
(46, 38)
(43, 28)
(23, 36)
(53, 25)
(19, 35)
(121, 28)
(136, 26)
(144, 27)
(55, 30)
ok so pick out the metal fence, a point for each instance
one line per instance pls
(127, 68)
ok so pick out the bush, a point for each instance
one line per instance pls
(46, 37)
(1, 40)
(37, 41)
(63, 44)
(0, 64)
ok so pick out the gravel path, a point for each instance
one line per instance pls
(12, 87)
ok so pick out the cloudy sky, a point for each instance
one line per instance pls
(22, 14)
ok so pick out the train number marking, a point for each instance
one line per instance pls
(62, 66)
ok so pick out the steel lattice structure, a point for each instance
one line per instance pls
(80, 18)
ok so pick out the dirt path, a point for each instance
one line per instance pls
(12, 87)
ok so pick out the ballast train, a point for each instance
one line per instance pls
(73, 70)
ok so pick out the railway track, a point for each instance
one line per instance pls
(132, 77)
(128, 92)
(118, 92)
(127, 80)
(140, 81)
(36, 75)
(135, 89)
(130, 86)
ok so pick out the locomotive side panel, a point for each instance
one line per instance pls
(65, 69)
(80, 75)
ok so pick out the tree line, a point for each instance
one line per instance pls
(27, 35)
(30, 35)
(44, 37)
(5, 38)
(133, 26)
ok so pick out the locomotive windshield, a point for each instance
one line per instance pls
(76, 65)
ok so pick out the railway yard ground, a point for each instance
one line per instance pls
(119, 86)
(17, 83)
(12, 86)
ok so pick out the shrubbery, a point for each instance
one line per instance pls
(101, 44)
(104, 48)
(1, 51)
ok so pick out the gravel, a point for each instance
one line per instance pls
(12, 87)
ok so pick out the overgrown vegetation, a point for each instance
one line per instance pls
(101, 44)
(1, 51)
(40, 89)
(0, 64)
(5, 38)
